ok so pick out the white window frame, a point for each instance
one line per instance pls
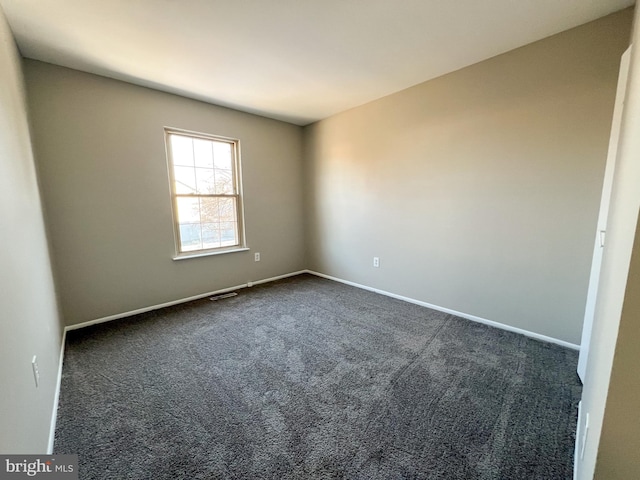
(237, 184)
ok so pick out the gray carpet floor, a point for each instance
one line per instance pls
(306, 378)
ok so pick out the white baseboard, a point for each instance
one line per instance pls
(579, 440)
(176, 302)
(279, 277)
(56, 396)
(473, 318)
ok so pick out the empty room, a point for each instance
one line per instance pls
(312, 240)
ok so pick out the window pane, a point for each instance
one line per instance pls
(190, 237)
(203, 152)
(182, 150)
(227, 207)
(188, 210)
(210, 210)
(210, 235)
(205, 180)
(185, 181)
(228, 234)
(222, 155)
(224, 182)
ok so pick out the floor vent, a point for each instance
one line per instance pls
(222, 296)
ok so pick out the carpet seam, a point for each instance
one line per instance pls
(396, 378)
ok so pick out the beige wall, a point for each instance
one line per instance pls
(29, 322)
(618, 457)
(100, 149)
(479, 190)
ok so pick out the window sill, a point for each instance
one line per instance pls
(185, 256)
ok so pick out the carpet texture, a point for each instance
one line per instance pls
(306, 378)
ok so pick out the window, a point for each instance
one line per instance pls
(204, 173)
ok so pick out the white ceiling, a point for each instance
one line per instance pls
(294, 60)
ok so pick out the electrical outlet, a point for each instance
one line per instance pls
(257, 256)
(36, 372)
(376, 262)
